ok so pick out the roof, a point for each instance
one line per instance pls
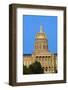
(41, 34)
(27, 54)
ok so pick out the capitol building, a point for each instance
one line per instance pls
(41, 54)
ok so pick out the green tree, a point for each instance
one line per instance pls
(37, 68)
(31, 69)
(34, 68)
(25, 69)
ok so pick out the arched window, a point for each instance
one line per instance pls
(46, 69)
(39, 46)
(49, 68)
(44, 46)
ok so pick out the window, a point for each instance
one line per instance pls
(44, 46)
(46, 69)
(49, 68)
(49, 56)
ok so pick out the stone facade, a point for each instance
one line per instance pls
(42, 54)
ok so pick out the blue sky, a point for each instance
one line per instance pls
(32, 26)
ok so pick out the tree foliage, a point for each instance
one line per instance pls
(34, 68)
(25, 70)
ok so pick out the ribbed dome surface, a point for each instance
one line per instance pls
(41, 35)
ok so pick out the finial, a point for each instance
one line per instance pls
(41, 28)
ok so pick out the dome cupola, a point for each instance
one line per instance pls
(41, 34)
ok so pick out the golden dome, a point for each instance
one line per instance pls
(41, 34)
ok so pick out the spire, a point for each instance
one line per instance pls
(41, 28)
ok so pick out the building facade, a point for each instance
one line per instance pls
(42, 54)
